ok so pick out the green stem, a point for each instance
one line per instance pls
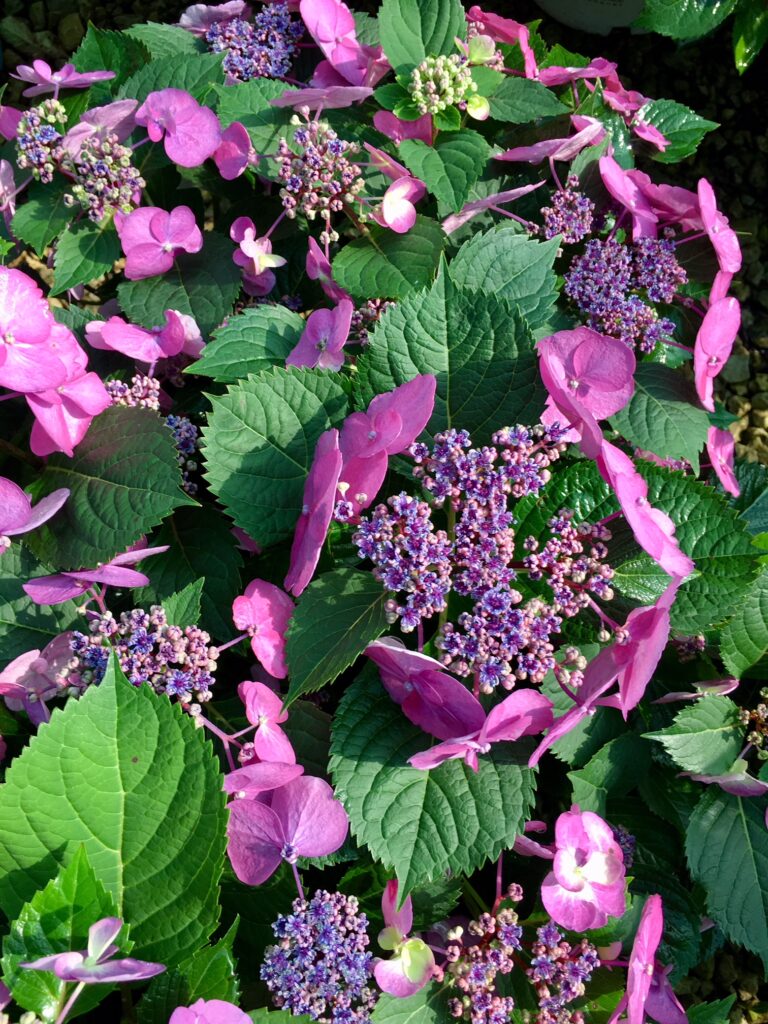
(472, 898)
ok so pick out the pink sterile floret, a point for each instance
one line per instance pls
(713, 346)
(264, 709)
(586, 884)
(44, 79)
(597, 371)
(152, 238)
(264, 611)
(209, 1011)
(191, 133)
(720, 448)
(301, 819)
(322, 341)
(317, 509)
(146, 345)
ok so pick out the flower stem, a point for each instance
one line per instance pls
(298, 880)
(70, 1003)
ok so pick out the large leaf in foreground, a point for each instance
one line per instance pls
(450, 168)
(126, 774)
(257, 339)
(705, 738)
(727, 849)
(336, 617)
(259, 445)
(511, 266)
(480, 350)
(744, 640)
(410, 32)
(123, 480)
(422, 824)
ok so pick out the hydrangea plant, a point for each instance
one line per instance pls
(382, 610)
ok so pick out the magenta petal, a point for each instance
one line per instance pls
(53, 589)
(261, 778)
(271, 744)
(451, 750)
(401, 919)
(313, 821)
(113, 971)
(256, 838)
(522, 713)
(41, 512)
(390, 977)
(15, 507)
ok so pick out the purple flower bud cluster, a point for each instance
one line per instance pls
(106, 179)
(186, 437)
(610, 281)
(365, 317)
(175, 661)
(689, 647)
(559, 973)
(320, 965)
(320, 179)
(38, 139)
(142, 393)
(571, 572)
(627, 844)
(473, 967)
(410, 557)
(261, 49)
(501, 639)
(571, 213)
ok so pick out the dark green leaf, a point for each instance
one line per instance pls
(744, 640)
(24, 625)
(450, 168)
(56, 920)
(480, 350)
(680, 125)
(126, 774)
(248, 103)
(519, 100)
(422, 824)
(183, 607)
(429, 1006)
(750, 32)
(203, 285)
(255, 340)
(85, 251)
(201, 545)
(259, 444)
(164, 41)
(195, 73)
(105, 50)
(387, 265)
(711, 1013)
(336, 617)
(123, 480)
(727, 849)
(612, 771)
(510, 266)
(704, 738)
(684, 19)
(309, 730)
(410, 32)
(662, 417)
(43, 215)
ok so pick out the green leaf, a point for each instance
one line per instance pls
(681, 126)
(248, 103)
(259, 444)
(708, 530)
(195, 73)
(428, 1006)
(203, 285)
(43, 215)
(258, 338)
(210, 973)
(125, 773)
(704, 738)
(612, 771)
(727, 848)
(592, 733)
(750, 32)
(450, 168)
(681, 941)
(684, 19)
(266, 1016)
(519, 100)
(183, 607)
(752, 503)
(24, 625)
(384, 264)
(578, 487)
(510, 266)
(163, 41)
(410, 32)
(480, 350)
(422, 824)
(744, 640)
(257, 908)
(123, 480)
(56, 920)
(662, 417)
(711, 1013)
(309, 730)
(336, 618)
(201, 545)
(85, 251)
(105, 50)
